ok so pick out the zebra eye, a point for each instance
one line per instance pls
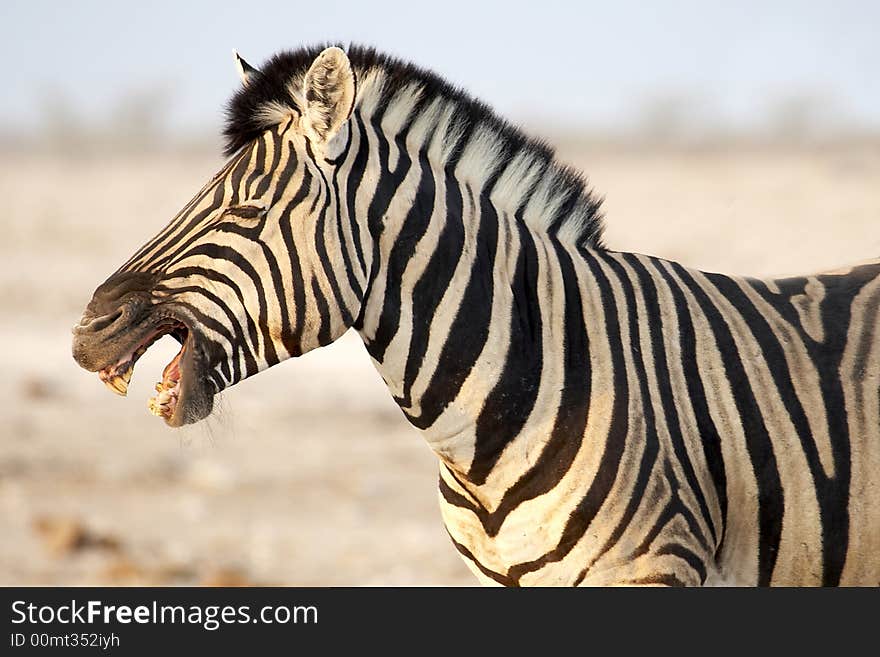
(248, 210)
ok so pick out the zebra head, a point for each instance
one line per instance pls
(261, 265)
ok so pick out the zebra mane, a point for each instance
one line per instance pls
(567, 207)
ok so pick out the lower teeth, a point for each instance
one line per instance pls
(160, 405)
(155, 408)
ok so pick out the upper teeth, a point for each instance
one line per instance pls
(117, 381)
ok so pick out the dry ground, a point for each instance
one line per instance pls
(309, 475)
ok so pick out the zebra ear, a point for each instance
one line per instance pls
(245, 71)
(329, 89)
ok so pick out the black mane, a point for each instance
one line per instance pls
(271, 86)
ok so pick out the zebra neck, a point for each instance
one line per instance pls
(466, 318)
(470, 230)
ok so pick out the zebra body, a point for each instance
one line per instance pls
(600, 417)
(692, 439)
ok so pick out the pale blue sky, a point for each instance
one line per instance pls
(589, 63)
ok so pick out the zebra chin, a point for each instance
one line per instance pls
(111, 344)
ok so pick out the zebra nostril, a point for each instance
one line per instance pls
(95, 324)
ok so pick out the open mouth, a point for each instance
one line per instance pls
(171, 390)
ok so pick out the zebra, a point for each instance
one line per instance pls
(599, 417)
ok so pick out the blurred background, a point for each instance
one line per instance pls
(742, 138)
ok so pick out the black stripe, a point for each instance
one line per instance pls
(587, 509)
(235, 339)
(272, 172)
(285, 176)
(253, 234)
(218, 277)
(236, 174)
(567, 436)
(353, 283)
(355, 178)
(455, 498)
(509, 404)
(259, 162)
(692, 560)
(294, 343)
(673, 508)
(434, 282)
(498, 577)
(649, 440)
(389, 182)
(770, 495)
(414, 227)
(232, 256)
(774, 356)
(214, 352)
(321, 247)
(661, 370)
(323, 313)
(470, 328)
(696, 396)
(836, 318)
